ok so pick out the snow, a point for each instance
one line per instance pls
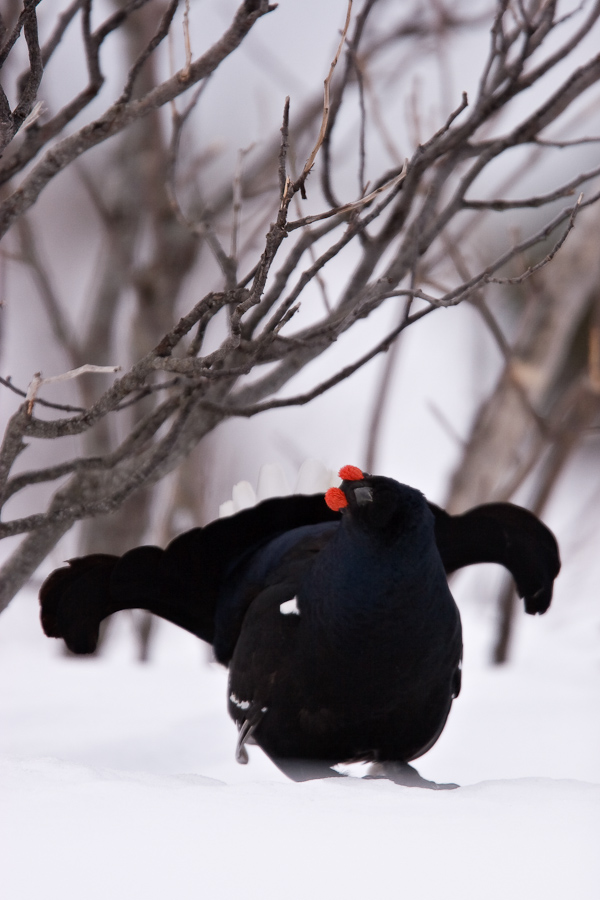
(119, 780)
(82, 831)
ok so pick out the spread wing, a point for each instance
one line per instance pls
(505, 534)
(181, 584)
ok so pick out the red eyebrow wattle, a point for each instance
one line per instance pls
(335, 499)
(350, 473)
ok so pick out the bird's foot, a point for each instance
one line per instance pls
(306, 769)
(402, 773)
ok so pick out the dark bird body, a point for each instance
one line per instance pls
(342, 638)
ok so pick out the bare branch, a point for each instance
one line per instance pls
(31, 257)
(12, 445)
(63, 407)
(37, 381)
(285, 126)
(549, 256)
(326, 106)
(120, 115)
(10, 123)
(354, 205)
(62, 23)
(537, 201)
(302, 399)
(407, 236)
(159, 36)
(486, 276)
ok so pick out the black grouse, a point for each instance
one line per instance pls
(333, 613)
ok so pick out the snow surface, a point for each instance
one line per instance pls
(118, 780)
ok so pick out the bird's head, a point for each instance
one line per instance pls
(376, 503)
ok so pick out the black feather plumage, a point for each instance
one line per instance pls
(342, 638)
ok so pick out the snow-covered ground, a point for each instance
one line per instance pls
(118, 780)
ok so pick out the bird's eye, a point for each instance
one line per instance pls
(363, 495)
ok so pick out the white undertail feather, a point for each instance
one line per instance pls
(313, 478)
(271, 482)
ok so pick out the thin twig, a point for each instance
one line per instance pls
(362, 188)
(326, 107)
(283, 150)
(120, 115)
(534, 202)
(61, 406)
(153, 43)
(236, 213)
(187, 42)
(38, 381)
(354, 205)
(302, 399)
(519, 279)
